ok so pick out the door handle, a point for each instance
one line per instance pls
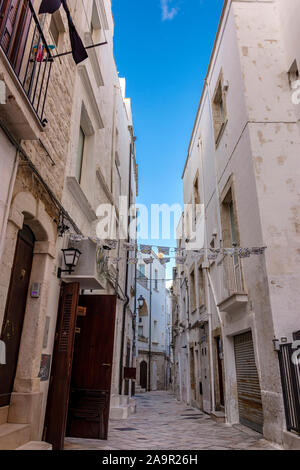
(105, 365)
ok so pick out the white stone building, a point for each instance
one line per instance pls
(153, 344)
(242, 164)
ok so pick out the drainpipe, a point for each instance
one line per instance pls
(8, 201)
(150, 331)
(126, 281)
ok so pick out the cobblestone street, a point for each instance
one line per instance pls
(162, 423)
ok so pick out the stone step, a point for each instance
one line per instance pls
(218, 416)
(35, 445)
(13, 435)
(121, 412)
(3, 414)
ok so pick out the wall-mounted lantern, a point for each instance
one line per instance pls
(71, 257)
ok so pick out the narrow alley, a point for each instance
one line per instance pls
(162, 423)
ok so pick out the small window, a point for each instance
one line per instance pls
(192, 291)
(219, 111)
(142, 269)
(80, 152)
(54, 31)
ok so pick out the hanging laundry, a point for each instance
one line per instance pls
(148, 260)
(258, 250)
(111, 244)
(75, 237)
(164, 261)
(146, 249)
(244, 252)
(78, 50)
(132, 260)
(180, 260)
(165, 250)
(129, 246)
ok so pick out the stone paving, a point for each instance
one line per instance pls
(162, 423)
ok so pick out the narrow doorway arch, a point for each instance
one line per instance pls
(15, 310)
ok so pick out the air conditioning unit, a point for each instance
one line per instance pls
(90, 269)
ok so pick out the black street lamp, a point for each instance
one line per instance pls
(71, 257)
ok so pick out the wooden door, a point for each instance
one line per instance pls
(15, 311)
(143, 374)
(59, 388)
(92, 368)
(15, 18)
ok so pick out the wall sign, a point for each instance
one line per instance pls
(45, 367)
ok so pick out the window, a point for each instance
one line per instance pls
(219, 110)
(156, 280)
(56, 28)
(201, 288)
(80, 152)
(192, 292)
(230, 234)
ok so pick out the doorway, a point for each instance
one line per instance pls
(15, 311)
(80, 384)
(143, 375)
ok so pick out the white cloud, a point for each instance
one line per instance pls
(168, 12)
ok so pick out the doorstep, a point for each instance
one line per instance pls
(218, 416)
(291, 441)
(35, 445)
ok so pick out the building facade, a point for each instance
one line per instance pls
(67, 147)
(153, 320)
(229, 337)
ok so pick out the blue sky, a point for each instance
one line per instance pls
(162, 48)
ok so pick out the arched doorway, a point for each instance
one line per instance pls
(143, 374)
(15, 310)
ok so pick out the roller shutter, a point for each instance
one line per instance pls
(249, 394)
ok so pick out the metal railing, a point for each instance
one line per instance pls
(25, 47)
(290, 380)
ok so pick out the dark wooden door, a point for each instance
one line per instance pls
(92, 368)
(59, 388)
(143, 374)
(15, 310)
(14, 26)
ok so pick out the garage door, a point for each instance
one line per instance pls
(249, 394)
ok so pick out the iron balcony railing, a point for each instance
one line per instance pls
(26, 49)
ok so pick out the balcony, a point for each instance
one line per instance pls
(26, 63)
(234, 296)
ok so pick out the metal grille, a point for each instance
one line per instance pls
(28, 54)
(65, 330)
(290, 379)
(249, 394)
